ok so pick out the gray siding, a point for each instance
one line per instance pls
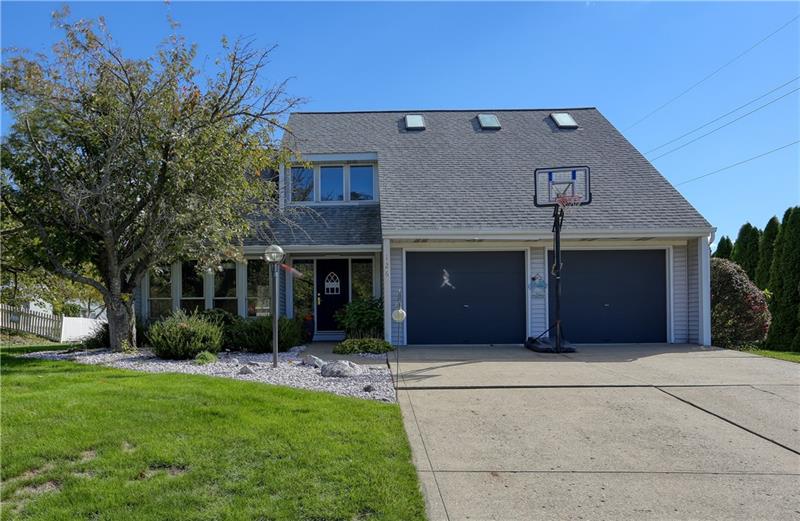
(538, 303)
(396, 260)
(693, 285)
(680, 295)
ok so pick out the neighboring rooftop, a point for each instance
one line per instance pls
(454, 176)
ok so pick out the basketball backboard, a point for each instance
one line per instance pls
(554, 183)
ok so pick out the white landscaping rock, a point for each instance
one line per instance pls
(340, 369)
(246, 369)
(313, 361)
(290, 372)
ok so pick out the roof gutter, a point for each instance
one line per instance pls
(500, 234)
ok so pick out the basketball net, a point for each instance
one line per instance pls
(568, 203)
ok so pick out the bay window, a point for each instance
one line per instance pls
(225, 288)
(160, 298)
(259, 295)
(192, 298)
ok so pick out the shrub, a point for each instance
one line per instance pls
(205, 357)
(182, 336)
(70, 309)
(219, 316)
(256, 334)
(362, 318)
(99, 339)
(363, 345)
(227, 321)
(739, 313)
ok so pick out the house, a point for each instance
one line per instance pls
(433, 211)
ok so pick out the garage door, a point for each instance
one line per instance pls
(612, 296)
(465, 297)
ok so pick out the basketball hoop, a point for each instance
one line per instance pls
(568, 203)
(562, 189)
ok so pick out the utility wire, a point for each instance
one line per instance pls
(701, 136)
(722, 116)
(712, 74)
(739, 163)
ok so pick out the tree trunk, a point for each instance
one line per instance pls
(121, 321)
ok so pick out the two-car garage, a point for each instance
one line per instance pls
(479, 297)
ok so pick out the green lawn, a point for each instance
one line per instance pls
(789, 356)
(87, 442)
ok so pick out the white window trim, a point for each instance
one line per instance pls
(345, 165)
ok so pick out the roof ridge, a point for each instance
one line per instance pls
(413, 111)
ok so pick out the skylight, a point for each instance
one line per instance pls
(489, 122)
(564, 120)
(415, 122)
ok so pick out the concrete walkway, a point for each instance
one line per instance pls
(611, 432)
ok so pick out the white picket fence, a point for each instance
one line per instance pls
(53, 327)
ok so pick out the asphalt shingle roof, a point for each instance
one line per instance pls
(323, 225)
(454, 176)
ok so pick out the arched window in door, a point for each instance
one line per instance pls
(332, 284)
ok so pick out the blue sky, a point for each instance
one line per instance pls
(624, 58)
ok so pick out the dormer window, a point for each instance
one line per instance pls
(334, 183)
(331, 183)
(302, 184)
(362, 183)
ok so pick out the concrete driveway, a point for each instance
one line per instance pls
(610, 432)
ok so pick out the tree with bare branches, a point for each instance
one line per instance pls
(126, 164)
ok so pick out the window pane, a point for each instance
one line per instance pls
(258, 294)
(228, 304)
(332, 183)
(160, 286)
(191, 281)
(361, 183)
(303, 289)
(302, 184)
(193, 304)
(160, 308)
(361, 276)
(225, 280)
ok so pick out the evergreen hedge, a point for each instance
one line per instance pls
(784, 284)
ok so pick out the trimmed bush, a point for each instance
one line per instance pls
(205, 358)
(739, 313)
(363, 345)
(362, 318)
(256, 334)
(227, 321)
(182, 336)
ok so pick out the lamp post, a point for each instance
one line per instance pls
(274, 255)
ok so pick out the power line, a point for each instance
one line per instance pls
(701, 136)
(709, 76)
(739, 163)
(722, 116)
